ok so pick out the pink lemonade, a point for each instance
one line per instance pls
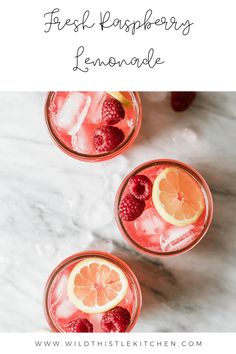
(93, 126)
(61, 310)
(164, 224)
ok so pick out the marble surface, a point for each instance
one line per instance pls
(52, 206)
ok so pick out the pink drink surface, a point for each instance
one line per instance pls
(151, 232)
(74, 116)
(62, 311)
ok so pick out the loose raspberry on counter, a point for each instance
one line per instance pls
(80, 325)
(116, 320)
(140, 187)
(180, 101)
(112, 111)
(130, 207)
(107, 138)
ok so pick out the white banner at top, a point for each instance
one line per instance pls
(118, 45)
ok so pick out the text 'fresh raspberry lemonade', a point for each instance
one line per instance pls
(92, 292)
(93, 126)
(163, 207)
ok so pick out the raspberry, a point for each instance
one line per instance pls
(112, 111)
(180, 101)
(115, 320)
(131, 208)
(140, 187)
(107, 138)
(80, 325)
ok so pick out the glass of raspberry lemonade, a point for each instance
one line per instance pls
(163, 207)
(92, 292)
(93, 126)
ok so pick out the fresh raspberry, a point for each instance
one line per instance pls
(112, 111)
(131, 208)
(180, 101)
(115, 320)
(80, 325)
(107, 138)
(140, 187)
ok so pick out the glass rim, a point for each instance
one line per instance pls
(151, 163)
(98, 157)
(93, 253)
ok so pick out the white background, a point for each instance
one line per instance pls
(203, 60)
(184, 343)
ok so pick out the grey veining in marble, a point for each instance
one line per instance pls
(52, 206)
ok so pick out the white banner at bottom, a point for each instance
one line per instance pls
(178, 343)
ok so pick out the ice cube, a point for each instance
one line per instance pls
(152, 242)
(95, 110)
(61, 286)
(150, 223)
(179, 237)
(95, 319)
(73, 112)
(65, 309)
(82, 141)
(129, 298)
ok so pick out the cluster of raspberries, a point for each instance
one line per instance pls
(115, 320)
(133, 204)
(107, 137)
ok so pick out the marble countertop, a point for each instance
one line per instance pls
(52, 206)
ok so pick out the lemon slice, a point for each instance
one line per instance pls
(177, 197)
(96, 285)
(121, 98)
